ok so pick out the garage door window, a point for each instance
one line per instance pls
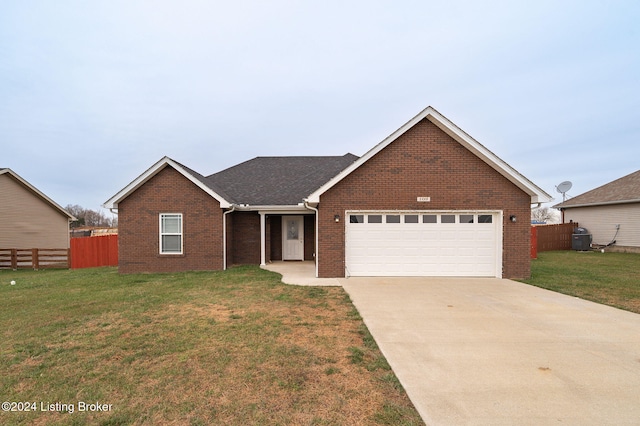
(411, 218)
(466, 218)
(374, 218)
(356, 218)
(448, 218)
(393, 218)
(430, 218)
(485, 218)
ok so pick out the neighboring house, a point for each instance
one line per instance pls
(428, 200)
(28, 218)
(609, 212)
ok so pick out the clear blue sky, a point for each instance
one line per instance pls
(92, 93)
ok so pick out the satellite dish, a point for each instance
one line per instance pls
(563, 188)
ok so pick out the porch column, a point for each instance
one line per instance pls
(263, 239)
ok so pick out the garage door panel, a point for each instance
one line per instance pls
(464, 253)
(423, 249)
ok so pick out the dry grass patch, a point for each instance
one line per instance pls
(236, 347)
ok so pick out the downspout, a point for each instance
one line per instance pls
(307, 206)
(224, 236)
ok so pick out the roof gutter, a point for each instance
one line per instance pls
(224, 236)
(272, 209)
(605, 203)
(307, 206)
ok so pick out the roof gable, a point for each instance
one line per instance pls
(194, 177)
(620, 191)
(537, 194)
(37, 192)
(262, 181)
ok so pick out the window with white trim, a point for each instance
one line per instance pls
(171, 233)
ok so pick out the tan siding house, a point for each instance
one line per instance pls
(28, 218)
(609, 212)
(601, 222)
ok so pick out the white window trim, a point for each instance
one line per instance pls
(161, 234)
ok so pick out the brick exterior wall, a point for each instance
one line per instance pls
(138, 226)
(246, 238)
(275, 225)
(309, 237)
(425, 161)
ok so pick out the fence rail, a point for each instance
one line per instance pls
(34, 258)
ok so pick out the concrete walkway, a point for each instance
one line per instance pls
(496, 352)
(300, 273)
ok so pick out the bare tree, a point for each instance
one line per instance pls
(88, 217)
(545, 215)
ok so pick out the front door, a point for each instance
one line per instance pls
(292, 238)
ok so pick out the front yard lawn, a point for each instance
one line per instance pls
(234, 347)
(608, 278)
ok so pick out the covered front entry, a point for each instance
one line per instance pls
(423, 243)
(286, 236)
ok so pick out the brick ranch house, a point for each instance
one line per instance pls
(429, 200)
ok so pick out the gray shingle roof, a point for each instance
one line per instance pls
(275, 180)
(623, 190)
(219, 190)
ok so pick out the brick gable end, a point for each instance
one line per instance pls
(138, 215)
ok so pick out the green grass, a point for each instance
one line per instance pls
(231, 347)
(608, 278)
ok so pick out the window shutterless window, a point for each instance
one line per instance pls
(171, 233)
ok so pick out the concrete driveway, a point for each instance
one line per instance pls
(498, 352)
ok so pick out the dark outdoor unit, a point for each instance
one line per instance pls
(580, 240)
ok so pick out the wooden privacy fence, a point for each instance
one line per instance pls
(35, 258)
(534, 242)
(91, 252)
(551, 237)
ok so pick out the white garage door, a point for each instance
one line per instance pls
(424, 243)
